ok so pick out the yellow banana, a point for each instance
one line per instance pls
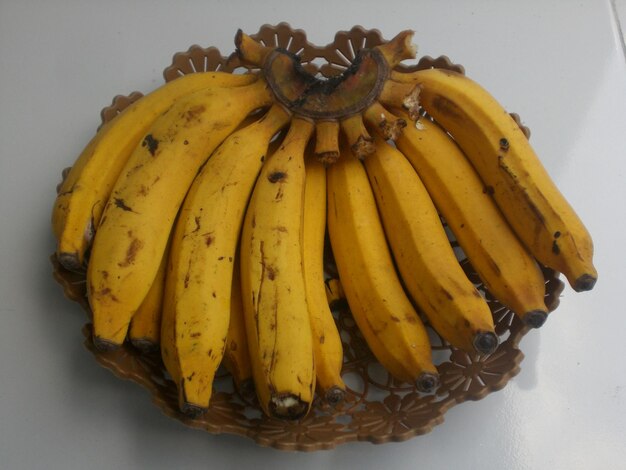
(86, 189)
(139, 215)
(334, 293)
(505, 266)
(427, 264)
(272, 282)
(327, 346)
(144, 331)
(512, 172)
(203, 251)
(236, 355)
(379, 305)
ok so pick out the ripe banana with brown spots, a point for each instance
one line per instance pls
(86, 189)
(426, 262)
(272, 281)
(236, 354)
(138, 218)
(204, 245)
(506, 267)
(145, 327)
(512, 172)
(327, 346)
(379, 305)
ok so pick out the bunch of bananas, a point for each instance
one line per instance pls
(199, 215)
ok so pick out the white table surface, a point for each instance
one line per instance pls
(559, 64)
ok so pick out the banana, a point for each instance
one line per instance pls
(144, 331)
(327, 347)
(379, 305)
(139, 215)
(203, 251)
(236, 355)
(427, 264)
(335, 296)
(512, 172)
(272, 282)
(505, 266)
(86, 189)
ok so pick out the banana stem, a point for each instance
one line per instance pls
(360, 141)
(404, 95)
(327, 141)
(249, 50)
(399, 48)
(387, 124)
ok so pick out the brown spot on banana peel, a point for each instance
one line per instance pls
(150, 143)
(447, 107)
(208, 238)
(194, 113)
(277, 176)
(538, 215)
(119, 203)
(197, 222)
(131, 253)
(447, 294)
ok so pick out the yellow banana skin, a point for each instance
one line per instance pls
(203, 253)
(327, 346)
(379, 305)
(86, 189)
(145, 327)
(236, 354)
(427, 264)
(140, 213)
(272, 282)
(506, 267)
(509, 167)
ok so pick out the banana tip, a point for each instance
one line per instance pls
(535, 318)
(288, 406)
(584, 283)
(71, 262)
(427, 382)
(335, 395)
(192, 411)
(145, 345)
(485, 342)
(104, 345)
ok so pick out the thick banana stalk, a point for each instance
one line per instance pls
(87, 187)
(236, 354)
(427, 264)
(139, 215)
(144, 331)
(327, 346)
(203, 252)
(505, 266)
(272, 282)
(512, 172)
(379, 305)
